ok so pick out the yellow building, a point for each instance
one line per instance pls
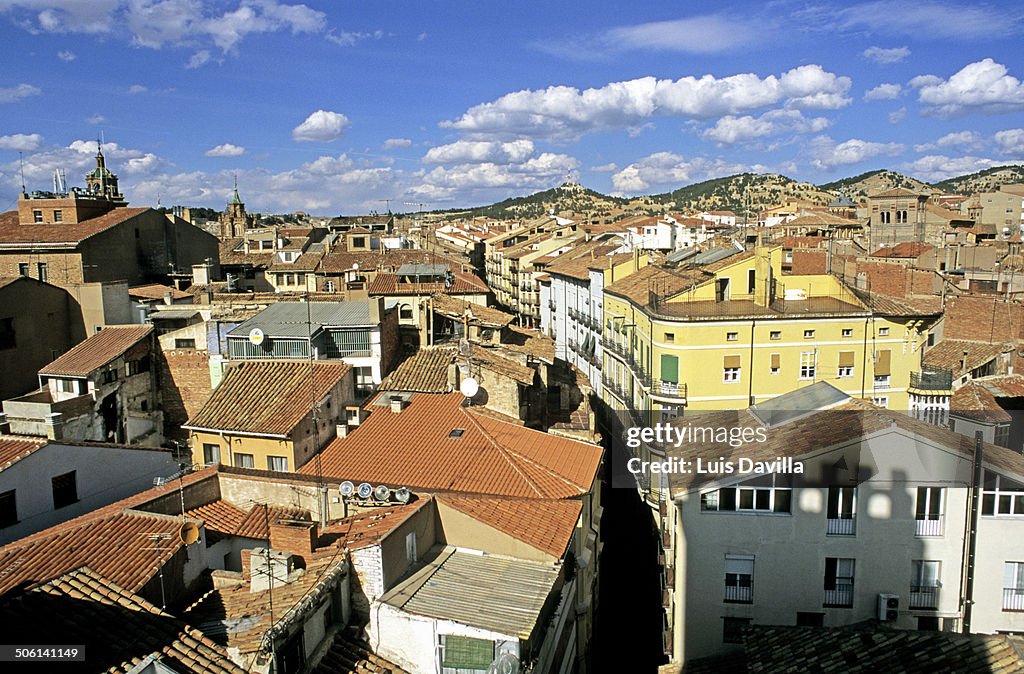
(271, 415)
(729, 329)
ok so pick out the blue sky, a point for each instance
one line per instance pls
(334, 107)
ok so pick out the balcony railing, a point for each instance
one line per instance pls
(841, 527)
(670, 389)
(1013, 599)
(840, 597)
(935, 380)
(931, 527)
(739, 594)
(924, 596)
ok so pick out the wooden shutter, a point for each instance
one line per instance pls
(731, 361)
(846, 359)
(775, 361)
(882, 363)
(670, 368)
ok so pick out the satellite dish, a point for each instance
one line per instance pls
(346, 488)
(188, 533)
(402, 495)
(381, 493)
(469, 387)
(256, 336)
(364, 490)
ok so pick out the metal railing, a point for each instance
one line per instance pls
(739, 594)
(1013, 599)
(670, 389)
(841, 527)
(924, 596)
(935, 380)
(840, 597)
(930, 527)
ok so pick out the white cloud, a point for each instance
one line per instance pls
(476, 179)
(392, 143)
(20, 141)
(924, 17)
(565, 113)
(475, 152)
(731, 129)
(225, 150)
(882, 55)
(669, 170)
(883, 92)
(694, 35)
(939, 167)
(137, 89)
(67, 55)
(12, 94)
(199, 59)
(826, 154)
(958, 140)
(605, 168)
(83, 16)
(95, 119)
(1010, 141)
(983, 87)
(322, 125)
(897, 116)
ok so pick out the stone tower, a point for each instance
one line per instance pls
(235, 220)
(100, 181)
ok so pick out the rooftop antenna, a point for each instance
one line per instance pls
(21, 160)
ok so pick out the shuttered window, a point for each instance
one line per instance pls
(882, 366)
(670, 368)
(846, 359)
(775, 362)
(731, 361)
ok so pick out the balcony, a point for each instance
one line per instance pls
(924, 597)
(931, 527)
(739, 594)
(840, 597)
(841, 527)
(931, 381)
(668, 389)
(1013, 599)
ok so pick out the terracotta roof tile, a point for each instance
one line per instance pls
(974, 401)
(87, 609)
(98, 350)
(637, 286)
(368, 527)
(14, 449)
(478, 314)
(242, 404)
(547, 525)
(532, 343)
(232, 252)
(425, 371)
(390, 284)
(416, 448)
(907, 249)
(1008, 386)
(13, 232)
(255, 524)
(948, 354)
(219, 516)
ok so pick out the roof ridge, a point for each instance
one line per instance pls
(504, 452)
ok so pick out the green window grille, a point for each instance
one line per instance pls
(468, 653)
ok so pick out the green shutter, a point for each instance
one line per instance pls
(467, 653)
(670, 368)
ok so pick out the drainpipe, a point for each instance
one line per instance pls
(972, 532)
(750, 386)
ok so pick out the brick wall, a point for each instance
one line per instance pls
(984, 319)
(810, 262)
(298, 538)
(185, 387)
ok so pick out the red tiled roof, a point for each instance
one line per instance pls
(414, 448)
(12, 232)
(389, 284)
(219, 516)
(904, 250)
(255, 524)
(368, 527)
(457, 308)
(546, 525)
(269, 397)
(156, 291)
(14, 449)
(974, 401)
(425, 371)
(949, 354)
(98, 350)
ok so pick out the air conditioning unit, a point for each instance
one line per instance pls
(888, 607)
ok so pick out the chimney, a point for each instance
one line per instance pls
(342, 430)
(397, 404)
(296, 537)
(264, 564)
(201, 274)
(963, 362)
(167, 298)
(55, 426)
(376, 309)
(246, 565)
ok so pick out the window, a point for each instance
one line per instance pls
(211, 454)
(775, 335)
(65, 490)
(845, 364)
(405, 312)
(739, 579)
(670, 338)
(58, 215)
(847, 332)
(841, 511)
(751, 281)
(732, 336)
(881, 401)
(1013, 586)
(885, 217)
(883, 368)
(37, 216)
(277, 463)
(23, 269)
(810, 619)
(41, 268)
(8, 509)
(766, 494)
(731, 369)
(1002, 435)
(928, 511)
(732, 630)
(901, 217)
(184, 343)
(1001, 496)
(66, 385)
(924, 584)
(244, 460)
(883, 332)
(808, 363)
(466, 652)
(410, 547)
(775, 363)
(7, 336)
(838, 582)
(329, 286)
(808, 334)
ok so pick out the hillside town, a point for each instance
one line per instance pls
(425, 442)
